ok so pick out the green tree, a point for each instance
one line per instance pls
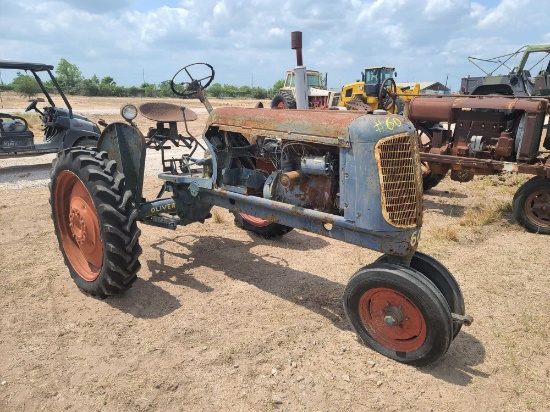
(164, 89)
(278, 84)
(25, 85)
(215, 90)
(149, 90)
(68, 75)
(108, 80)
(88, 87)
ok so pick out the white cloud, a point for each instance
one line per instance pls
(423, 39)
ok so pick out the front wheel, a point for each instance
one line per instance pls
(261, 227)
(399, 313)
(94, 221)
(531, 205)
(443, 279)
(283, 100)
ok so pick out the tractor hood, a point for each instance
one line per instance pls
(331, 128)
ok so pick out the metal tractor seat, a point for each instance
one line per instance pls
(167, 112)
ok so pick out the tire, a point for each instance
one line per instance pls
(531, 205)
(431, 180)
(86, 142)
(420, 331)
(443, 279)
(94, 221)
(283, 100)
(261, 227)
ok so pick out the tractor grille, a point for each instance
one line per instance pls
(400, 180)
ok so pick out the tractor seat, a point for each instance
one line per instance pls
(167, 112)
(14, 125)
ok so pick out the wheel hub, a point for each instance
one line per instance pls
(84, 229)
(78, 225)
(538, 207)
(392, 319)
(393, 316)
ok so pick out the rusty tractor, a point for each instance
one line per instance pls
(487, 135)
(346, 175)
(304, 89)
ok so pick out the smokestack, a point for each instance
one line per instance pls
(296, 44)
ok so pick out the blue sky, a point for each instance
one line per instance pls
(248, 42)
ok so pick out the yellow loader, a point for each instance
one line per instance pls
(377, 90)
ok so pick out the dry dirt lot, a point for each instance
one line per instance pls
(223, 320)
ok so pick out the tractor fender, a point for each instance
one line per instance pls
(126, 145)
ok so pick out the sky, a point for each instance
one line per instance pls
(248, 42)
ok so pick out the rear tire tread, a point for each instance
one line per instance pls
(116, 215)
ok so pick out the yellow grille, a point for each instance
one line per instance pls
(400, 180)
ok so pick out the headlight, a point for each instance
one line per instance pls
(129, 112)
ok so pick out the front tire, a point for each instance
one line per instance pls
(94, 221)
(399, 313)
(443, 279)
(283, 100)
(531, 205)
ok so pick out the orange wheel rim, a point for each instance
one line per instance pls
(78, 225)
(392, 319)
(255, 221)
(537, 208)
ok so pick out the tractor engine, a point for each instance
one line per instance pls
(498, 128)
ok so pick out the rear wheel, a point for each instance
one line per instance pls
(531, 205)
(94, 220)
(429, 178)
(260, 226)
(398, 312)
(283, 100)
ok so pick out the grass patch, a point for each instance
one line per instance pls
(445, 233)
(217, 216)
(477, 217)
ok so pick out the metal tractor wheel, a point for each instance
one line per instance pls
(283, 100)
(443, 279)
(262, 227)
(531, 205)
(94, 220)
(399, 312)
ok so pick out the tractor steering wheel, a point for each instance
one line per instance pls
(190, 87)
(32, 106)
(388, 95)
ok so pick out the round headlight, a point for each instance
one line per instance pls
(129, 112)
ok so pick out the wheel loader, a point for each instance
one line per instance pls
(377, 90)
(350, 176)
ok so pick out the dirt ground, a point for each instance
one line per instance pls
(220, 319)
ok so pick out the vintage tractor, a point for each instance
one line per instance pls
(304, 89)
(346, 175)
(487, 135)
(531, 77)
